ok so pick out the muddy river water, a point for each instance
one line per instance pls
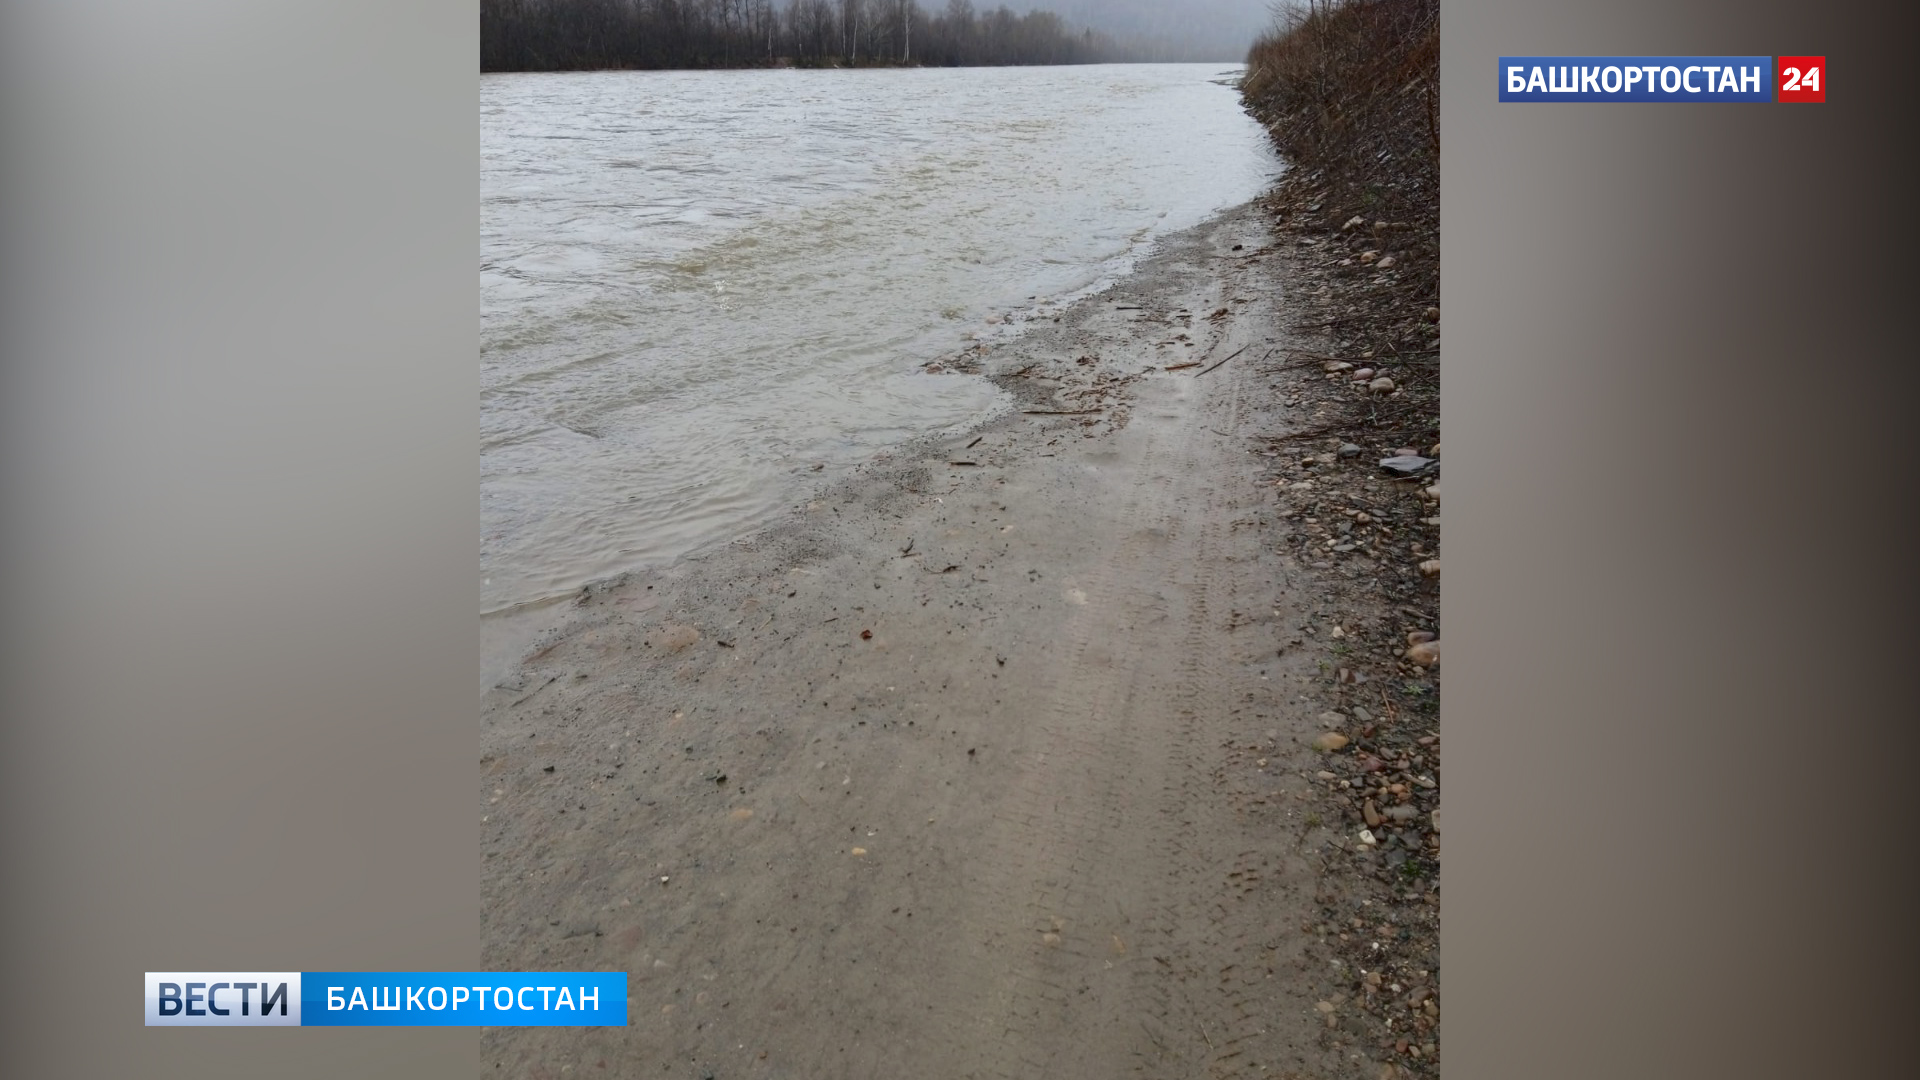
(701, 292)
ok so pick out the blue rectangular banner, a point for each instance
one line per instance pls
(387, 999)
(463, 999)
(1636, 78)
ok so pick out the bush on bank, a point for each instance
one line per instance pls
(1350, 90)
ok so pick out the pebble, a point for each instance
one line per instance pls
(1372, 814)
(1329, 741)
(1385, 263)
(1325, 775)
(1381, 385)
(1354, 222)
(1349, 450)
(1431, 568)
(1367, 838)
(1426, 653)
(1332, 719)
(1433, 314)
(1403, 813)
(1418, 636)
(1333, 366)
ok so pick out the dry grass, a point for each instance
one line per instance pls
(1350, 92)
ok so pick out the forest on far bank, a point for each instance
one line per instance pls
(579, 35)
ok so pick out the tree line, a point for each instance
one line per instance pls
(575, 35)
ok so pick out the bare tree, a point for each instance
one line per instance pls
(550, 35)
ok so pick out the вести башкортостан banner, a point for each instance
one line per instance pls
(386, 999)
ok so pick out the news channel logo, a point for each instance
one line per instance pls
(1663, 79)
(386, 999)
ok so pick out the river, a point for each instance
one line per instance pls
(695, 287)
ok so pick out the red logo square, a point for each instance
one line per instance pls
(1800, 78)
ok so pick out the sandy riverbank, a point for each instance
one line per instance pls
(994, 759)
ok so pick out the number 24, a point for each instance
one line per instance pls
(1796, 81)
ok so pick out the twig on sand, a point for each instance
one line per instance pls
(1230, 356)
(537, 689)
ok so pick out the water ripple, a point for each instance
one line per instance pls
(695, 285)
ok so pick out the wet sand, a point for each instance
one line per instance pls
(991, 760)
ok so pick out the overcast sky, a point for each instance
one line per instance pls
(1222, 27)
